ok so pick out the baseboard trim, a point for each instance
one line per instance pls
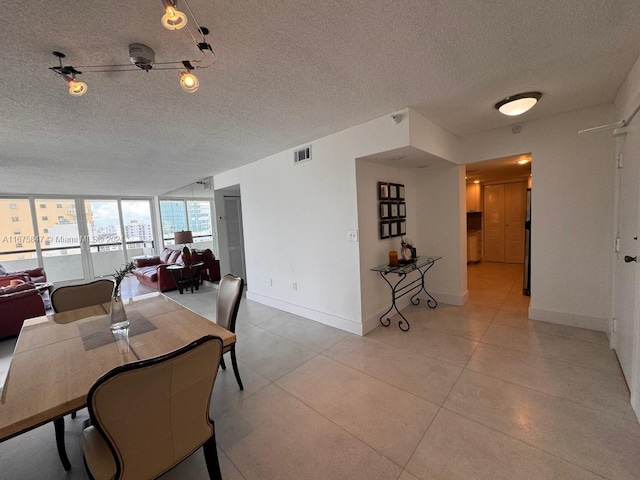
(570, 319)
(321, 317)
(451, 299)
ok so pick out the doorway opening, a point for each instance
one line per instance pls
(228, 203)
(498, 200)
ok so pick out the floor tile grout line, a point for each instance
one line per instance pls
(383, 381)
(523, 442)
(553, 334)
(552, 395)
(351, 434)
(555, 359)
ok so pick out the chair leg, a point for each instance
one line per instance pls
(222, 364)
(58, 424)
(211, 458)
(235, 367)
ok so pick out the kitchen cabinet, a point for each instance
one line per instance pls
(474, 246)
(474, 203)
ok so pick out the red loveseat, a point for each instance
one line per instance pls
(153, 271)
(211, 267)
(17, 303)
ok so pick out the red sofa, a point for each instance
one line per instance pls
(153, 271)
(18, 303)
(36, 275)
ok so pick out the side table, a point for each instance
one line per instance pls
(186, 275)
(45, 289)
(402, 288)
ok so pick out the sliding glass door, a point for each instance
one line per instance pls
(59, 237)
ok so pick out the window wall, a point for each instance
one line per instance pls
(74, 238)
(17, 239)
(183, 214)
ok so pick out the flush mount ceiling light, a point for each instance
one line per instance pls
(142, 57)
(518, 104)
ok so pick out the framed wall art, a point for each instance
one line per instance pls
(402, 209)
(392, 210)
(384, 230)
(383, 191)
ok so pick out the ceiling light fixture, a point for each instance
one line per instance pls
(143, 57)
(173, 19)
(189, 82)
(518, 104)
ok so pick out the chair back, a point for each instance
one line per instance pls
(154, 413)
(78, 296)
(229, 295)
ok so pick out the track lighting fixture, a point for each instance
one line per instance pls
(143, 58)
(173, 19)
(189, 82)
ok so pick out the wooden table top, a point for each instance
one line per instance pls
(53, 366)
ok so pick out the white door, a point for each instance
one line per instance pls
(515, 209)
(626, 277)
(235, 238)
(494, 223)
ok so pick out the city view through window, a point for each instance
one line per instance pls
(107, 227)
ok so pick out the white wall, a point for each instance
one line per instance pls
(296, 219)
(572, 212)
(442, 231)
(376, 295)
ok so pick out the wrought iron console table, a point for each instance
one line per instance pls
(401, 288)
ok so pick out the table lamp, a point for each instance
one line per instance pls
(184, 237)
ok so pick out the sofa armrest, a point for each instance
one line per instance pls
(37, 273)
(147, 262)
(5, 280)
(165, 279)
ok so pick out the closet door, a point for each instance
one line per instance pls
(514, 215)
(494, 223)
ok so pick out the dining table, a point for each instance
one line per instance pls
(58, 357)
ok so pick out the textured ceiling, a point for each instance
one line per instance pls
(287, 72)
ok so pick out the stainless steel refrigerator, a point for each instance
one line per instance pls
(526, 282)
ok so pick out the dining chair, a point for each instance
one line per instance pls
(148, 416)
(68, 298)
(73, 297)
(229, 296)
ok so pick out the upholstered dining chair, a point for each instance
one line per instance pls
(68, 298)
(148, 416)
(72, 297)
(229, 296)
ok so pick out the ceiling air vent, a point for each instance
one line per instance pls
(302, 155)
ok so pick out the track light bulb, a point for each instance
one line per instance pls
(189, 82)
(173, 19)
(76, 88)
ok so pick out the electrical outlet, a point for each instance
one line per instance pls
(295, 286)
(352, 235)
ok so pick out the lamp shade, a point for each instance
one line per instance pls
(184, 236)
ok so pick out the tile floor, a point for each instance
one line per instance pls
(475, 392)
